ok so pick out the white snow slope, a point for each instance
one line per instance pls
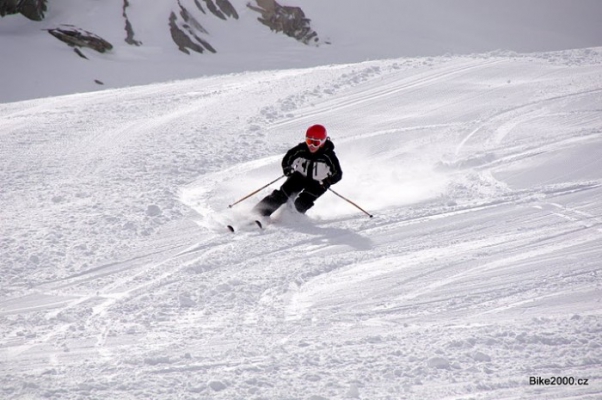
(481, 269)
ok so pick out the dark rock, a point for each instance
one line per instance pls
(32, 9)
(221, 8)
(77, 37)
(227, 8)
(9, 7)
(129, 30)
(199, 6)
(181, 38)
(190, 20)
(185, 34)
(289, 20)
(214, 10)
(79, 53)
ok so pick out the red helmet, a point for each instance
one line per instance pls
(315, 137)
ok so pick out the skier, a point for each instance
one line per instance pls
(311, 168)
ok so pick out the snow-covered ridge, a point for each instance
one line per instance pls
(130, 30)
(165, 40)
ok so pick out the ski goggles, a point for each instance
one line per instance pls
(315, 142)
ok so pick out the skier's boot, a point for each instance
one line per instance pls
(304, 202)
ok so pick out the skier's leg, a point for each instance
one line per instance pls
(308, 196)
(270, 203)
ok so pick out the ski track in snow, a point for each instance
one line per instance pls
(480, 269)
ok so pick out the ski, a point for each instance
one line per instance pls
(257, 223)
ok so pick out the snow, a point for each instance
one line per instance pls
(35, 64)
(480, 269)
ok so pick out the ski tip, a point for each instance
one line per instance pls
(230, 228)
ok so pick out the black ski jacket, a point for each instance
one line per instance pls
(323, 165)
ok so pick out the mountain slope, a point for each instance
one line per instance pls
(480, 270)
(176, 39)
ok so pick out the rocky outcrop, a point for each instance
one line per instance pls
(289, 20)
(186, 30)
(221, 8)
(186, 41)
(129, 30)
(32, 9)
(79, 38)
(227, 8)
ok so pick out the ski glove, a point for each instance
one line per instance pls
(326, 183)
(288, 171)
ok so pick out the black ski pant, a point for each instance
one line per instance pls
(305, 191)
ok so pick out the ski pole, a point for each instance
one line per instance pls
(258, 190)
(352, 203)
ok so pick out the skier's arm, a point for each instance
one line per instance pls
(335, 169)
(289, 158)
